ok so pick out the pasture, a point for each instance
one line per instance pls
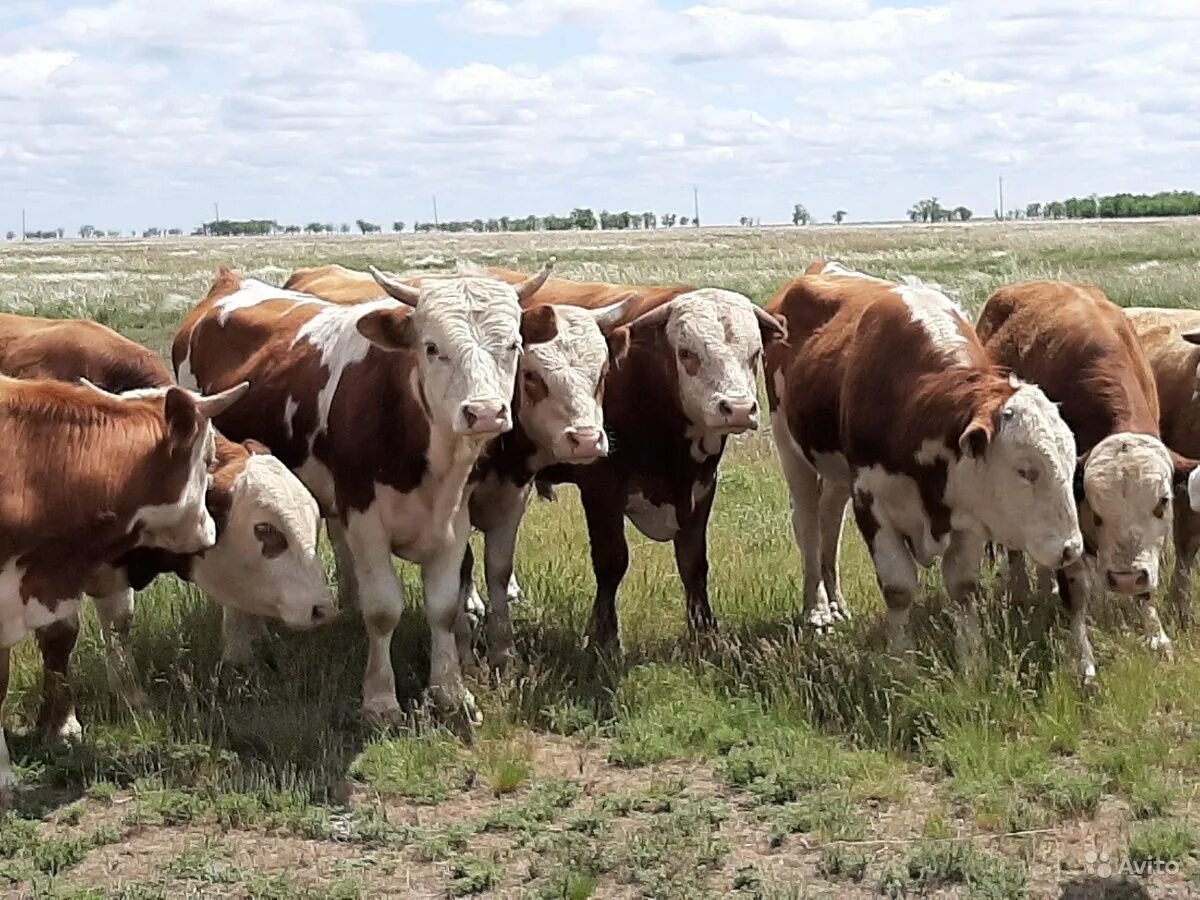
(765, 761)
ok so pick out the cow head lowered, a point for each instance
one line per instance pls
(182, 523)
(266, 560)
(465, 330)
(560, 388)
(1124, 486)
(716, 340)
(1021, 457)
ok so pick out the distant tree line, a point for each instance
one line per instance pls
(1118, 206)
(579, 219)
(931, 210)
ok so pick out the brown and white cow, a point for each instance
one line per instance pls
(1079, 347)
(686, 383)
(1168, 338)
(883, 393)
(86, 476)
(558, 419)
(265, 560)
(382, 409)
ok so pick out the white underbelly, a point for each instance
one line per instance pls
(18, 618)
(896, 504)
(659, 523)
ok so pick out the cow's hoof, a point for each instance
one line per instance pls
(69, 732)
(1161, 644)
(382, 712)
(475, 606)
(838, 611)
(819, 618)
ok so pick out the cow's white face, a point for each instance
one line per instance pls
(716, 340)
(266, 561)
(468, 342)
(1126, 509)
(1025, 471)
(560, 385)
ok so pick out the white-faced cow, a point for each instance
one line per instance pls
(382, 409)
(87, 476)
(265, 560)
(559, 418)
(884, 394)
(1169, 339)
(1080, 349)
(686, 382)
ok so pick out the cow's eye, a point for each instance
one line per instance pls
(431, 349)
(1029, 474)
(1161, 509)
(274, 542)
(755, 358)
(514, 346)
(686, 356)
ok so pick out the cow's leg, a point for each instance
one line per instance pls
(1155, 637)
(7, 779)
(472, 605)
(442, 576)
(114, 608)
(1187, 543)
(381, 601)
(500, 547)
(244, 638)
(804, 487)
(691, 558)
(344, 559)
(834, 497)
(56, 718)
(960, 570)
(1075, 587)
(605, 515)
(897, 574)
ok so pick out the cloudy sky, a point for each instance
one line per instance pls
(128, 113)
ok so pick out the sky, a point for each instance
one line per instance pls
(133, 113)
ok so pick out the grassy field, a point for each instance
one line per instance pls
(766, 762)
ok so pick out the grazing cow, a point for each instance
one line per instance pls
(265, 560)
(558, 419)
(86, 477)
(884, 394)
(1168, 338)
(1080, 349)
(382, 409)
(686, 383)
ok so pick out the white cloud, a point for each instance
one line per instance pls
(323, 108)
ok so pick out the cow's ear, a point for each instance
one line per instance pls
(618, 345)
(977, 436)
(183, 419)
(256, 448)
(389, 329)
(539, 324)
(1186, 477)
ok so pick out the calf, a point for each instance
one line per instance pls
(686, 383)
(265, 560)
(558, 419)
(383, 410)
(884, 394)
(1081, 350)
(1168, 338)
(86, 477)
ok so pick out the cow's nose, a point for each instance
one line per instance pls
(1072, 551)
(323, 613)
(1129, 581)
(485, 417)
(585, 443)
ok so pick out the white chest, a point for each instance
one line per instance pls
(896, 504)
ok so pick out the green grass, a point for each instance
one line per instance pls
(669, 770)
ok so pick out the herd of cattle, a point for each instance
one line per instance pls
(402, 412)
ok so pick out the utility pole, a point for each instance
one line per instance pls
(437, 226)
(23, 228)
(1001, 196)
(696, 205)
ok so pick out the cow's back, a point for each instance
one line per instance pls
(1080, 348)
(70, 349)
(596, 294)
(336, 284)
(1174, 363)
